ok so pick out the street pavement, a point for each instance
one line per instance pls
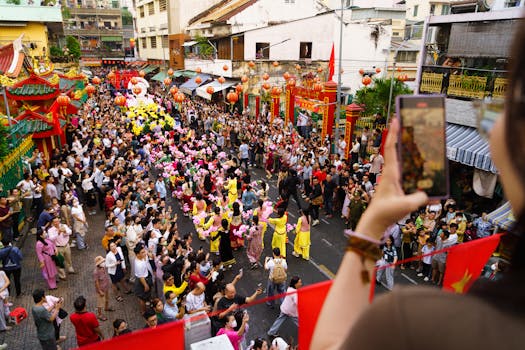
(328, 244)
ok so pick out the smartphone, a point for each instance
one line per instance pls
(422, 144)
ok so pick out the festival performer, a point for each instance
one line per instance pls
(279, 235)
(237, 241)
(187, 193)
(212, 226)
(225, 248)
(301, 244)
(255, 245)
(199, 215)
(231, 186)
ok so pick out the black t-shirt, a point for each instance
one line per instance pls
(329, 187)
(225, 303)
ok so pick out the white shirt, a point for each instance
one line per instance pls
(270, 264)
(194, 302)
(142, 267)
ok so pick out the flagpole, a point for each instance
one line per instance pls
(339, 67)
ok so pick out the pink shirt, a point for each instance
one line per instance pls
(60, 239)
(232, 335)
(289, 305)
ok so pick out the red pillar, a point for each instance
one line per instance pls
(329, 98)
(274, 106)
(257, 106)
(245, 100)
(352, 113)
(289, 112)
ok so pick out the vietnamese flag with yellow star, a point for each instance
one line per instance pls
(466, 261)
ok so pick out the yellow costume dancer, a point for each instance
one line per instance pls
(199, 215)
(301, 243)
(232, 190)
(279, 234)
(215, 223)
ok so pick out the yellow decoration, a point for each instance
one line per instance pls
(6, 81)
(72, 73)
(459, 286)
(55, 79)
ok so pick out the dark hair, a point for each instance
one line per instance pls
(148, 313)
(276, 251)
(293, 281)
(453, 225)
(258, 343)
(38, 294)
(80, 303)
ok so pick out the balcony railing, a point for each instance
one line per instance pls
(93, 31)
(461, 82)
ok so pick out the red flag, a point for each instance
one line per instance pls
(465, 262)
(310, 300)
(166, 336)
(331, 64)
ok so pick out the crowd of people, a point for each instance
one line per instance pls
(202, 163)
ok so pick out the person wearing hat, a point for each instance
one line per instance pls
(102, 285)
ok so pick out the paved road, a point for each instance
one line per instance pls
(327, 250)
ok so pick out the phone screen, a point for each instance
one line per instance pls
(422, 146)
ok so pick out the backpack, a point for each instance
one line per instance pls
(278, 273)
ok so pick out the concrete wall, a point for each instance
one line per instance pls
(157, 20)
(33, 33)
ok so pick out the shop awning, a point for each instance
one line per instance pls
(189, 43)
(184, 73)
(466, 146)
(189, 87)
(160, 76)
(201, 90)
(149, 69)
(502, 217)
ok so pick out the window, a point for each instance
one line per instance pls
(445, 9)
(153, 42)
(143, 42)
(416, 7)
(262, 50)
(432, 9)
(162, 5)
(406, 56)
(305, 50)
(141, 10)
(165, 43)
(151, 8)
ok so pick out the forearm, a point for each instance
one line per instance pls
(251, 297)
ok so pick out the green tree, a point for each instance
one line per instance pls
(56, 51)
(375, 98)
(127, 18)
(205, 49)
(4, 140)
(73, 46)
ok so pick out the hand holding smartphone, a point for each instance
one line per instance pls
(422, 145)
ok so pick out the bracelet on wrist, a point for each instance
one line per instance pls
(352, 233)
(366, 250)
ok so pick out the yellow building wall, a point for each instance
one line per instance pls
(33, 33)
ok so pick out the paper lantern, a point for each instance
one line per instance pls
(366, 80)
(291, 82)
(266, 86)
(120, 100)
(167, 81)
(170, 72)
(142, 73)
(179, 97)
(198, 70)
(286, 76)
(221, 80)
(378, 70)
(361, 71)
(225, 68)
(244, 79)
(318, 87)
(111, 75)
(90, 89)
(210, 90)
(251, 64)
(399, 69)
(238, 88)
(174, 90)
(266, 76)
(232, 97)
(198, 79)
(276, 90)
(63, 100)
(96, 80)
(298, 67)
(275, 63)
(137, 90)
(131, 42)
(319, 69)
(134, 80)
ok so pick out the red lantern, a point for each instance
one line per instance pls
(378, 70)
(238, 88)
(319, 69)
(120, 100)
(318, 87)
(198, 79)
(174, 90)
(63, 100)
(291, 82)
(225, 68)
(366, 80)
(286, 76)
(111, 75)
(90, 89)
(134, 80)
(131, 42)
(179, 97)
(244, 79)
(137, 90)
(96, 80)
(210, 90)
(298, 67)
(198, 70)
(232, 97)
(266, 86)
(266, 76)
(276, 90)
(399, 69)
(142, 73)
(361, 71)
(170, 72)
(221, 80)
(167, 81)
(275, 63)
(251, 64)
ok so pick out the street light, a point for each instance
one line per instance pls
(392, 80)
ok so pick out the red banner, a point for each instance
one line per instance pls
(309, 303)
